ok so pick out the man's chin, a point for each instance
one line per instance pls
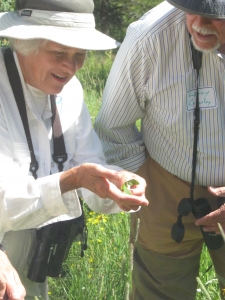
(205, 49)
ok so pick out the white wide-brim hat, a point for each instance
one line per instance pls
(68, 28)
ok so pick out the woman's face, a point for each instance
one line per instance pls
(52, 67)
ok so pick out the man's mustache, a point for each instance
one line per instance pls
(204, 30)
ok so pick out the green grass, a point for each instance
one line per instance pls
(105, 270)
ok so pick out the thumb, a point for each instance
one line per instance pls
(217, 191)
(2, 288)
(15, 289)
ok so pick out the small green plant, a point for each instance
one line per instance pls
(127, 184)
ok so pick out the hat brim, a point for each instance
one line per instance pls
(197, 8)
(12, 26)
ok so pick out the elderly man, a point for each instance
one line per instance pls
(49, 149)
(178, 93)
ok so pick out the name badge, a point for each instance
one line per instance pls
(207, 98)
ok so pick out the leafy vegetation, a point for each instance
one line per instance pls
(114, 16)
(7, 5)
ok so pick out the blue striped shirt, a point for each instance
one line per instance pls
(153, 79)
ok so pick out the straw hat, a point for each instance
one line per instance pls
(214, 9)
(67, 22)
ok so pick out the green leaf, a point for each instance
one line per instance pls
(125, 189)
(131, 182)
(126, 186)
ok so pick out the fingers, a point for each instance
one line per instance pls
(96, 178)
(11, 287)
(217, 191)
(132, 208)
(210, 221)
(107, 184)
(214, 228)
(98, 171)
(15, 289)
(2, 286)
(131, 202)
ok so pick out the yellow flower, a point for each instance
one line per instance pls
(91, 260)
(99, 240)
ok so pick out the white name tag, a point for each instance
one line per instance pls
(207, 98)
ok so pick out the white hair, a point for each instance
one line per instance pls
(26, 47)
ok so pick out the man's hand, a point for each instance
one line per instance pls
(106, 184)
(210, 221)
(11, 287)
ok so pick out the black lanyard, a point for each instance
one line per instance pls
(197, 63)
(186, 204)
(59, 156)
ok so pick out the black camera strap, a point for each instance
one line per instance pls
(18, 95)
(186, 204)
(59, 156)
(197, 63)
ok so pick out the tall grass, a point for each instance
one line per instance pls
(105, 270)
(93, 77)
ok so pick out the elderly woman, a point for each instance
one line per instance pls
(49, 39)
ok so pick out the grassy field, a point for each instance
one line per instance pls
(105, 270)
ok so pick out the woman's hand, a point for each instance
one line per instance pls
(105, 183)
(11, 287)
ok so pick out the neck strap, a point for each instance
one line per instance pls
(197, 63)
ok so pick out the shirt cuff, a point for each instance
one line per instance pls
(55, 203)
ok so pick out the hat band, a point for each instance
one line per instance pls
(54, 18)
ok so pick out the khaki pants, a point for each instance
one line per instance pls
(20, 247)
(164, 269)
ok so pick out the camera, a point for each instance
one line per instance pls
(199, 209)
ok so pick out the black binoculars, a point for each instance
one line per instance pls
(53, 244)
(199, 209)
